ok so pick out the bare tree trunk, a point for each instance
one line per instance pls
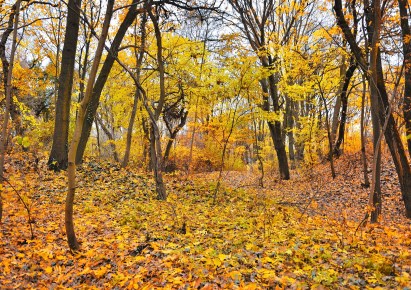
(406, 48)
(337, 106)
(137, 96)
(158, 163)
(126, 157)
(59, 150)
(330, 144)
(363, 138)
(8, 89)
(173, 135)
(13, 110)
(344, 102)
(289, 128)
(71, 171)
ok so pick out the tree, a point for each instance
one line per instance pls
(58, 156)
(71, 171)
(258, 20)
(9, 91)
(406, 49)
(379, 96)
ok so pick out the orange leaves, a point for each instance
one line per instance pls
(246, 241)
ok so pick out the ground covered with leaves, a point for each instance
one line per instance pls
(297, 234)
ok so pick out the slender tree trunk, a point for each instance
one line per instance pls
(71, 171)
(158, 163)
(13, 110)
(289, 128)
(8, 89)
(126, 157)
(98, 137)
(406, 48)
(344, 102)
(137, 95)
(337, 106)
(59, 150)
(363, 138)
(330, 144)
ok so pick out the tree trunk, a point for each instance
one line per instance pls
(130, 130)
(337, 106)
(59, 150)
(102, 78)
(173, 135)
(406, 48)
(71, 171)
(366, 183)
(137, 95)
(330, 144)
(8, 89)
(157, 163)
(275, 129)
(344, 102)
(289, 128)
(392, 136)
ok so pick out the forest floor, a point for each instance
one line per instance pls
(298, 234)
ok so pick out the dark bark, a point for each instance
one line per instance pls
(13, 110)
(392, 136)
(59, 151)
(102, 78)
(173, 134)
(269, 86)
(366, 183)
(8, 93)
(344, 106)
(406, 48)
(289, 127)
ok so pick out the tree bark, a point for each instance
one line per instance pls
(363, 138)
(344, 102)
(59, 150)
(406, 48)
(275, 127)
(8, 89)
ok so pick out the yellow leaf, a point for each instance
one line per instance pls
(48, 270)
(100, 272)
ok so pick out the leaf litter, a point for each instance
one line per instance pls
(298, 234)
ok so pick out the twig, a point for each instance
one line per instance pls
(30, 220)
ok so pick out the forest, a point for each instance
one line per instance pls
(205, 144)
